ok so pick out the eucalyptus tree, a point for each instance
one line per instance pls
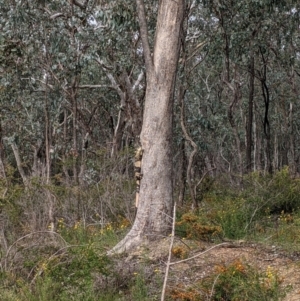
(239, 57)
(82, 82)
(154, 210)
(32, 79)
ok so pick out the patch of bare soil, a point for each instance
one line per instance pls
(204, 257)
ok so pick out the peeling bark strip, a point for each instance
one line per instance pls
(154, 213)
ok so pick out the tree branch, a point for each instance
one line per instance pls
(192, 143)
(57, 15)
(93, 86)
(101, 63)
(144, 35)
(53, 15)
(19, 163)
(195, 50)
(201, 253)
(138, 81)
(81, 5)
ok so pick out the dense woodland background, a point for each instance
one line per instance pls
(72, 92)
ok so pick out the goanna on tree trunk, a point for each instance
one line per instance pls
(154, 212)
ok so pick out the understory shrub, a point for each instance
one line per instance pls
(272, 194)
(234, 282)
(261, 204)
(193, 226)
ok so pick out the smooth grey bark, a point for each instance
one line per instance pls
(154, 213)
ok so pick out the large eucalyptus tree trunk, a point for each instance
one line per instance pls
(154, 210)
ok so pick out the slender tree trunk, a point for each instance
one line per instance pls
(235, 88)
(291, 141)
(65, 135)
(267, 128)
(75, 143)
(47, 137)
(19, 163)
(283, 141)
(257, 145)
(130, 111)
(154, 213)
(276, 153)
(208, 163)
(3, 178)
(291, 122)
(83, 159)
(50, 202)
(192, 143)
(2, 169)
(250, 117)
(120, 124)
(182, 173)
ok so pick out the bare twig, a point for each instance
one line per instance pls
(195, 50)
(56, 15)
(213, 287)
(199, 254)
(94, 86)
(25, 236)
(169, 257)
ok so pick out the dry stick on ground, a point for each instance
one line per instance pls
(199, 254)
(213, 287)
(170, 254)
(169, 263)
